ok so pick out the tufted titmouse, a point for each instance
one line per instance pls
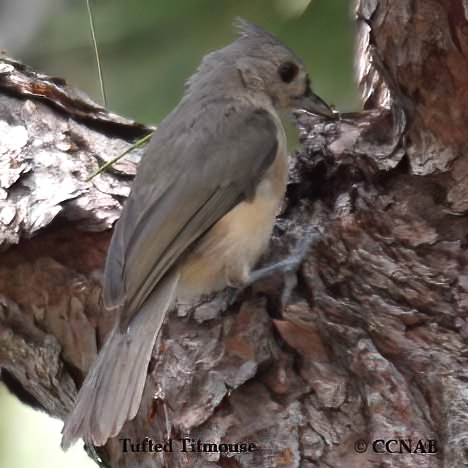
(201, 212)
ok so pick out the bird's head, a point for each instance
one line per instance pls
(267, 65)
(259, 63)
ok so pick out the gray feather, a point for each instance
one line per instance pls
(171, 206)
(112, 390)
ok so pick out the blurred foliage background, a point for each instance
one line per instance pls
(148, 49)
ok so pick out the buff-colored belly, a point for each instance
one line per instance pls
(232, 246)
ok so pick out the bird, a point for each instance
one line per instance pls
(200, 213)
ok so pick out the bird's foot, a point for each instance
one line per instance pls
(289, 264)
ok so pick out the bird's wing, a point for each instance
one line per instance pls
(192, 174)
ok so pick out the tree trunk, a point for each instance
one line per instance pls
(350, 361)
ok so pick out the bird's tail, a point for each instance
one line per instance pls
(112, 391)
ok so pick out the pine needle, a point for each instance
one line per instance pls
(108, 164)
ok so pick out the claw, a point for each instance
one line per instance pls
(289, 264)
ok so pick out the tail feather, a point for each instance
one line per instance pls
(112, 391)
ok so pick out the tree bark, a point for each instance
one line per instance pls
(329, 365)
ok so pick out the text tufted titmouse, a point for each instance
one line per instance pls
(201, 212)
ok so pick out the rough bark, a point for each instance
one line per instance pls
(366, 341)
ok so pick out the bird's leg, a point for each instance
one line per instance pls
(224, 299)
(289, 264)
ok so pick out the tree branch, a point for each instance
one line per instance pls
(366, 341)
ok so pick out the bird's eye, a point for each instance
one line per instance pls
(288, 71)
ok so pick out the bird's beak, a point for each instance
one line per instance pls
(310, 102)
